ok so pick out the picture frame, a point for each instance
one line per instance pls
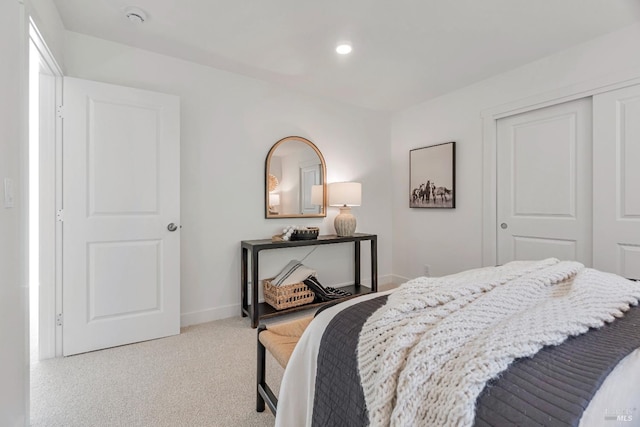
(432, 176)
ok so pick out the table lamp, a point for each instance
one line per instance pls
(345, 195)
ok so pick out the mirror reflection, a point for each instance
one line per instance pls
(295, 180)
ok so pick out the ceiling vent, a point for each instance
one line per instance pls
(135, 15)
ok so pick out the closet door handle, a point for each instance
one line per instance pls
(504, 226)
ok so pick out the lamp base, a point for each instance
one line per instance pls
(345, 222)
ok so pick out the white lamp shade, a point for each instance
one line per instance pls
(345, 194)
(274, 199)
(317, 195)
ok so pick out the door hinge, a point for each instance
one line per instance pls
(59, 319)
(60, 215)
(60, 111)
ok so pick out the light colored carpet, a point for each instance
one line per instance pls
(203, 377)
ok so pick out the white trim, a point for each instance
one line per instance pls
(489, 192)
(59, 207)
(45, 53)
(565, 94)
(209, 315)
(388, 286)
(396, 280)
(46, 218)
(23, 206)
(490, 117)
(50, 339)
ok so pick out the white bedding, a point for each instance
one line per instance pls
(618, 395)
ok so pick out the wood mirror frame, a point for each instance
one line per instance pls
(295, 198)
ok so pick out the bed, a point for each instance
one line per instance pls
(542, 343)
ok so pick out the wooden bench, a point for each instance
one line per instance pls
(280, 340)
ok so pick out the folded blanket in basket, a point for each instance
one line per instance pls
(294, 272)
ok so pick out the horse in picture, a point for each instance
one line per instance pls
(430, 194)
(443, 192)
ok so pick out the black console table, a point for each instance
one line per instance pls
(257, 311)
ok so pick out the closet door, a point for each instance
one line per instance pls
(544, 184)
(616, 182)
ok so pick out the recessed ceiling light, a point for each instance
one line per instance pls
(343, 49)
(135, 15)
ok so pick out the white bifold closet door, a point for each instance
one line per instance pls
(121, 190)
(544, 184)
(616, 182)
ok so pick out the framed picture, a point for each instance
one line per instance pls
(432, 176)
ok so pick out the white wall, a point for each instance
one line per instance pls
(451, 240)
(228, 124)
(14, 368)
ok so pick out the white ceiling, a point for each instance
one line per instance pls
(404, 51)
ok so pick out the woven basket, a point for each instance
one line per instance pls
(281, 297)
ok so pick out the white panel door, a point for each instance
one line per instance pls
(121, 188)
(544, 184)
(616, 182)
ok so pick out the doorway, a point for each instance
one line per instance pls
(45, 84)
(130, 290)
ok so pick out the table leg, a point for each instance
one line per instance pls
(356, 265)
(254, 290)
(244, 303)
(374, 264)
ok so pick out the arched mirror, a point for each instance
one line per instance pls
(295, 180)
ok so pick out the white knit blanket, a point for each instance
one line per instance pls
(425, 356)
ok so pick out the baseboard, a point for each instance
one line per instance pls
(203, 316)
(209, 315)
(398, 280)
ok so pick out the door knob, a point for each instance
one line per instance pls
(172, 227)
(504, 225)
